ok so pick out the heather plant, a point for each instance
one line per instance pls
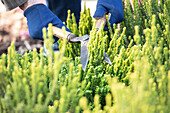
(137, 81)
(142, 96)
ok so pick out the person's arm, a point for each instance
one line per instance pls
(23, 4)
(11, 4)
(38, 16)
(114, 7)
(29, 3)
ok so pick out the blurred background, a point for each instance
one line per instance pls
(13, 27)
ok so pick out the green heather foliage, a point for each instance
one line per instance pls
(138, 81)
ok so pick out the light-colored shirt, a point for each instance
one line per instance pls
(11, 4)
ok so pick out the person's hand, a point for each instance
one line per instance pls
(114, 7)
(39, 16)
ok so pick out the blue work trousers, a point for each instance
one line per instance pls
(60, 7)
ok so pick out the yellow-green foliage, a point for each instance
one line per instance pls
(138, 81)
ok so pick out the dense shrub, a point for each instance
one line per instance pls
(137, 81)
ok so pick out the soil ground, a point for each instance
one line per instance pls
(13, 27)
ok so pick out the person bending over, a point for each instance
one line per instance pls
(39, 15)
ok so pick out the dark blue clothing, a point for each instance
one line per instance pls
(114, 7)
(39, 16)
(60, 8)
